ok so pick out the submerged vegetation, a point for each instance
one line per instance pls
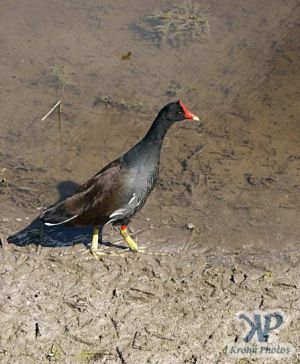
(56, 77)
(181, 23)
(121, 104)
(176, 88)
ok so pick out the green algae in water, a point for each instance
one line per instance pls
(121, 104)
(180, 24)
(176, 88)
(55, 77)
(58, 76)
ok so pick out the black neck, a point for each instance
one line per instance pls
(151, 144)
(157, 132)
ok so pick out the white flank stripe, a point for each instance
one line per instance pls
(118, 212)
(59, 223)
(110, 221)
(132, 199)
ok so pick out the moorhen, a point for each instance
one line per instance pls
(116, 193)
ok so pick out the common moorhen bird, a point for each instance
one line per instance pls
(116, 193)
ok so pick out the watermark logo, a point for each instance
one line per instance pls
(261, 336)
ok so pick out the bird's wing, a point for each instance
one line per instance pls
(126, 210)
(100, 196)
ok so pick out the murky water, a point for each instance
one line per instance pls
(235, 176)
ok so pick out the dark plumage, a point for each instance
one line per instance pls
(120, 189)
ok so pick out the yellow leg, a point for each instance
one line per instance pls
(124, 232)
(132, 244)
(95, 243)
(94, 246)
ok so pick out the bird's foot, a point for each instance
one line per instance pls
(94, 245)
(143, 250)
(95, 252)
(123, 253)
(133, 247)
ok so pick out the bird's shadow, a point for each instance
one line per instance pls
(54, 236)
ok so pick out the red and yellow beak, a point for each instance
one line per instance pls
(187, 113)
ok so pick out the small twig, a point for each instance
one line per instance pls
(37, 330)
(188, 243)
(58, 107)
(115, 325)
(142, 291)
(120, 355)
(51, 111)
(20, 188)
(3, 241)
(194, 154)
(59, 124)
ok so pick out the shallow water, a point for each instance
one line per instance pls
(235, 175)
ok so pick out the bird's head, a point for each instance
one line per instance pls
(176, 111)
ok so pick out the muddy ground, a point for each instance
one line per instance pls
(234, 177)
